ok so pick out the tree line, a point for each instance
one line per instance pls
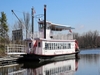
(90, 39)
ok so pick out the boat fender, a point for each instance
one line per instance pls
(76, 46)
(34, 46)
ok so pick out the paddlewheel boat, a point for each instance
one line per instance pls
(53, 41)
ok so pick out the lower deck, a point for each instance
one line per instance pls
(51, 47)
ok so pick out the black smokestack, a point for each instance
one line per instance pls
(45, 21)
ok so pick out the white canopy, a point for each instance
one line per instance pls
(56, 27)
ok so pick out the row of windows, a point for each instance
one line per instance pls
(57, 70)
(53, 46)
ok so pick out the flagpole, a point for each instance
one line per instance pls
(45, 21)
(32, 21)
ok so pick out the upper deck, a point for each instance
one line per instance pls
(57, 36)
(54, 31)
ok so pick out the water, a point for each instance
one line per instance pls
(88, 64)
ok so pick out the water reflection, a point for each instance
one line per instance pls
(90, 58)
(5, 70)
(89, 64)
(66, 67)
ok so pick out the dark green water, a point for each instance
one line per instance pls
(88, 64)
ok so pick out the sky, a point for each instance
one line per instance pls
(83, 15)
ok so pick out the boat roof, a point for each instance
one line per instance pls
(57, 27)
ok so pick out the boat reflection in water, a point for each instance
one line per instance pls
(66, 67)
(8, 69)
(57, 68)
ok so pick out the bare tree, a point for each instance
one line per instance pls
(26, 22)
(23, 24)
(19, 25)
(90, 39)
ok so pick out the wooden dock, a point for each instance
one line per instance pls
(7, 60)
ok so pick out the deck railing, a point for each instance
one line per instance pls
(63, 36)
(59, 36)
(15, 49)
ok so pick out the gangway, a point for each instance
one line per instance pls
(15, 49)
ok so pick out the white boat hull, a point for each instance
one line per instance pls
(34, 57)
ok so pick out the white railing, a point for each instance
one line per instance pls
(55, 36)
(63, 36)
(15, 49)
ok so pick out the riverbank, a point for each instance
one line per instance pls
(2, 53)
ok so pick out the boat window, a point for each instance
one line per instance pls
(39, 44)
(55, 45)
(59, 45)
(29, 45)
(69, 45)
(41, 26)
(52, 46)
(64, 45)
(46, 46)
(49, 46)
(47, 72)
